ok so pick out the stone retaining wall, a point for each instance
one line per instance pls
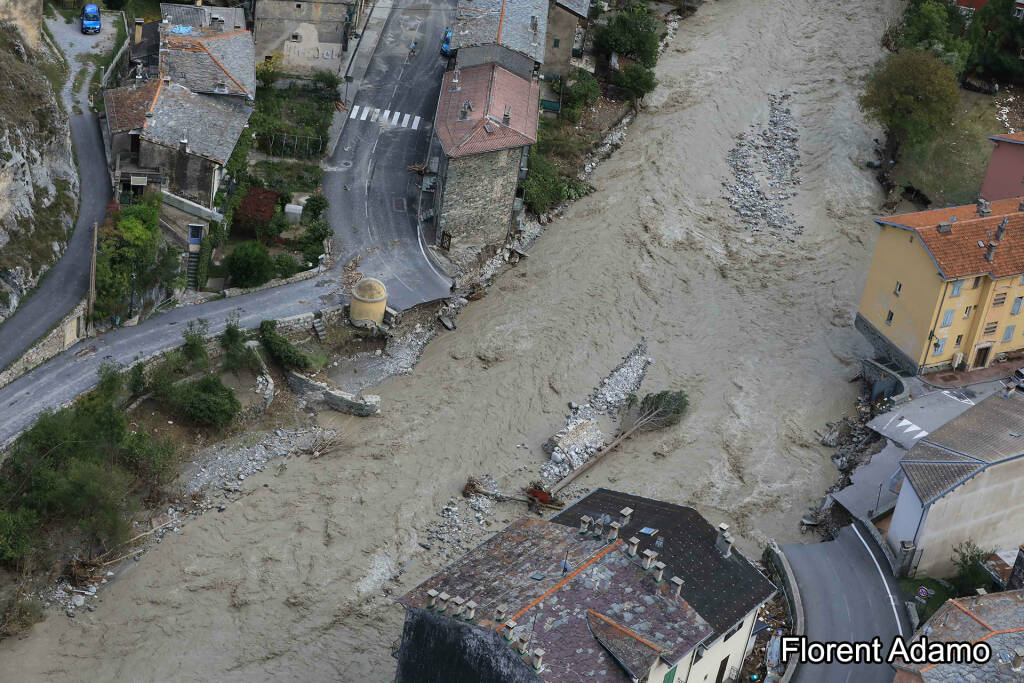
(65, 334)
(776, 560)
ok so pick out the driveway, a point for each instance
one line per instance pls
(67, 282)
(848, 596)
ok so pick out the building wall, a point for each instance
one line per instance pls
(900, 256)
(185, 175)
(1005, 175)
(561, 29)
(905, 517)
(986, 509)
(706, 669)
(510, 60)
(479, 191)
(27, 15)
(319, 25)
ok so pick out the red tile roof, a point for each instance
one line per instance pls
(957, 253)
(490, 91)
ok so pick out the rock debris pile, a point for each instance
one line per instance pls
(581, 436)
(765, 162)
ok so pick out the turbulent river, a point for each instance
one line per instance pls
(297, 581)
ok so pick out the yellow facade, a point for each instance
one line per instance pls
(939, 323)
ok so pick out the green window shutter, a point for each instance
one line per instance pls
(670, 677)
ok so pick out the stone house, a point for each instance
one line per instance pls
(564, 18)
(615, 589)
(144, 50)
(511, 33)
(486, 122)
(308, 36)
(964, 481)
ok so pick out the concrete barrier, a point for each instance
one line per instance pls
(343, 402)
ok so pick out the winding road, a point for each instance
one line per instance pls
(373, 213)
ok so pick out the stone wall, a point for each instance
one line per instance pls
(27, 15)
(479, 191)
(561, 29)
(307, 36)
(67, 333)
(186, 175)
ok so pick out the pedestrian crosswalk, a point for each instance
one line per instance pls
(386, 117)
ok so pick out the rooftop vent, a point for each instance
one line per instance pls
(538, 658)
(613, 531)
(470, 611)
(677, 584)
(724, 541)
(510, 627)
(984, 207)
(585, 524)
(457, 605)
(489, 128)
(467, 107)
(631, 545)
(524, 641)
(598, 528)
(1001, 230)
(1018, 659)
(442, 602)
(534, 23)
(945, 228)
(500, 612)
(624, 515)
(990, 252)
(1020, 207)
(659, 571)
(431, 598)
(506, 118)
(649, 556)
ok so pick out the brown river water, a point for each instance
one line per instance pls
(293, 582)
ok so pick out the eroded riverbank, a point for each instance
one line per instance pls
(294, 581)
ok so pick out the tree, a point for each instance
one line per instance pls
(326, 80)
(637, 79)
(194, 348)
(315, 207)
(267, 71)
(250, 264)
(657, 411)
(633, 33)
(939, 27)
(996, 38)
(206, 401)
(912, 93)
(967, 558)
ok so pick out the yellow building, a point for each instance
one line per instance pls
(946, 286)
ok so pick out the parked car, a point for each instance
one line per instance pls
(446, 43)
(1018, 377)
(90, 19)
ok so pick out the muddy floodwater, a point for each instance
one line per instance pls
(297, 580)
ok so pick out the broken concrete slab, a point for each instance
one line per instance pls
(360, 406)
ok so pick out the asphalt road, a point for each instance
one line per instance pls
(363, 219)
(845, 588)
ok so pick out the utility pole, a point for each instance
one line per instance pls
(92, 274)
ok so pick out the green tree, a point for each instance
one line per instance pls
(912, 94)
(315, 207)
(286, 265)
(194, 348)
(250, 265)
(632, 33)
(967, 558)
(996, 38)
(543, 187)
(637, 79)
(939, 27)
(206, 401)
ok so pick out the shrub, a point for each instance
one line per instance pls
(137, 379)
(633, 33)
(315, 207)
(255, 210)
(287, 265)
(967, 558)
(16, 528)
(327, 81)
(237, 356)
(19, 614)
(312, 240)
(585, 90)
(637, 79)
(277, 225)
(206, 401)
(250, 265)
(194, 348)
(280, 349)
(543, 187)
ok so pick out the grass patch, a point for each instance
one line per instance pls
(942, 593)
(76, 85)
(950, 168)
(286, 177)
(288, 121)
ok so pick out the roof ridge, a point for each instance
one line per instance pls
(953, 451)
(223, 35)
(222, 68)
(625, 630)
(501, 22)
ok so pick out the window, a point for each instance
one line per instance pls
(899, 288)
(999, 299)
(1018, 12)
(977, 282)
(732, 632)
(556, 42)
(967, 312)
(296, 38)
(1008, 332)
(959, 340)
(1017, 304)
(940, 346)
(947, 318)
(957, 287)
(888, 318)
(990, 328)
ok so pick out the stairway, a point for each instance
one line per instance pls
(320, 329)
(191, 281)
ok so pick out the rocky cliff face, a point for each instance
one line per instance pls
(38, 178)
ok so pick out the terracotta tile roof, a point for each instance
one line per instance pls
(956, 253)
(127, 106)
(490, 91)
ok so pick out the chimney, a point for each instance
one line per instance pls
(199, 3)
(534, 23)
(649, 556)
(442, 602)
(470, 611)
(1001, 230)
(506, 118)
(524, 641)
(631, 545)
(990, 252)
(431, 598)
(724, 541)
(138, 31)
(659, 570)
(183, 146)
(984, 208)
(677, 583)
(457, 604)
(1020, 207)
(1016, 580)
(538, 658)
(598, 528)
(980, 591)
(625, 513)
(1018, 659)
(613, 531)
(500, 612)
(945, 228)
(510, 627)
(585, 524)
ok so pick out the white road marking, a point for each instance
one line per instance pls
(355, 113)
(892, 601)
(366, 112)
(384, 118)
(395, 120)
(923, 433)
(416, 123)
(405, 121)
(958, 398)
(375, 114)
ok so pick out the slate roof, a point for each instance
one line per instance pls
(126, 106)
(723, 590)
(956, 254)
(505, 22)
(203, 16)
(149, 46)
(490, 90)
(995, 618)
(580, 8)
(987, 434)
(211, 124)
(208, 61)
(606, 598)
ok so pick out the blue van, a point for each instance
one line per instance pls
(90, 19)
(446, 43)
